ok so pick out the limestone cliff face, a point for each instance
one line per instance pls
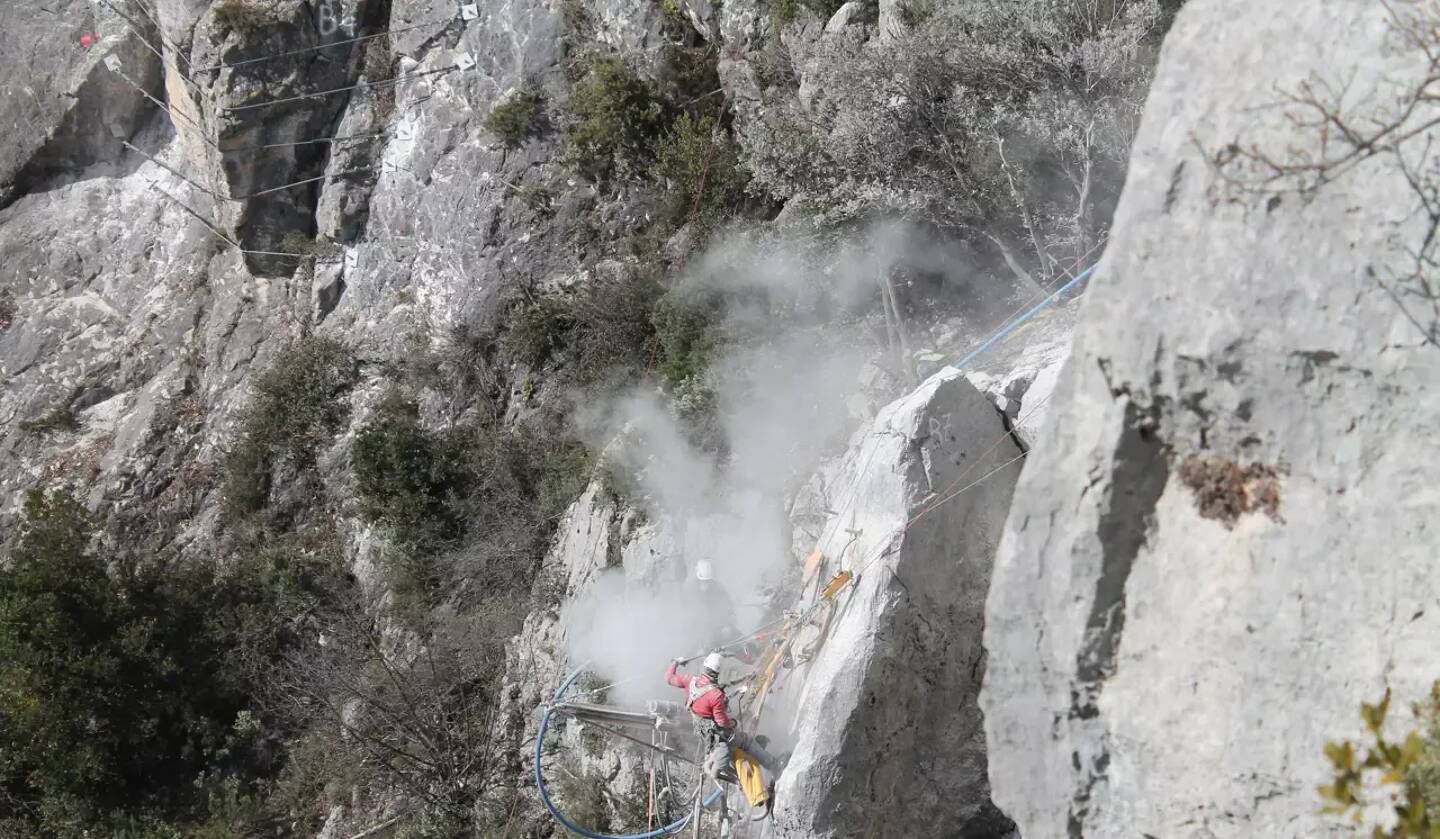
(62, 108)
(135, 321)
(1160, 662)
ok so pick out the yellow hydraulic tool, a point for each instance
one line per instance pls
(747, 769)
(773, 656)
(834, 586)
(779, 649)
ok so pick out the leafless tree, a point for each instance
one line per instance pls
(1009, 121)
(1395, 126)
(401, 710)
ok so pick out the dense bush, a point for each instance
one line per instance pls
(618, 121)
(127, 699)
(688, 338)
(296, 408)
(1009, 122)
(694, 154)
(513, 120)
(1424, 774)
(538, 327)
(602, 326)
(299, 244)
(407, 477)
(471, 504)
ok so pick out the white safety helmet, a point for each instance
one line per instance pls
(712, 663)
(704, 571)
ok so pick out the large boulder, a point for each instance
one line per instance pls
(888, 738)
(1224, 540)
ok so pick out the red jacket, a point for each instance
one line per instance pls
(706, 699)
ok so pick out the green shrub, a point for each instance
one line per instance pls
(618, 120)
(675, 21)
(688, 338)
(538, 327)
(565, 471)
(576, 15)
(689, 80)
(614, 332)
(299, 244)
(513, 120)
(913, 13)
(1424, 773)
(1402, 776)
(602, 326)
(126, 699)
(415, 363)
(537, 197)
(783, 12)
(244, 17)
(409, 478)
(484, 490)
(296, 408)
(694, 155)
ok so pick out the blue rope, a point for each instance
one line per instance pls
(1015, 324)
(555, 811)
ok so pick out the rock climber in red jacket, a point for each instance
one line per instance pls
(705, 697)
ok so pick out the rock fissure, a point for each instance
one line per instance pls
(1140, 474)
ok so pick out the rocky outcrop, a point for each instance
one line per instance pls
(888, 736)
(1223, 541)
(257, 104)
(62, 108)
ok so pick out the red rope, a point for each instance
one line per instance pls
(650, 806)
(945, 496)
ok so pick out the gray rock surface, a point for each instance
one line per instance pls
(1156, 672)
(61, 108)
(1020, 372)
(888, 738)
(131, 319)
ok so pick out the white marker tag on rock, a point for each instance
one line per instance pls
(352, 258)
(464, 61)
(405, 132)
(112, 63)
(469, 11)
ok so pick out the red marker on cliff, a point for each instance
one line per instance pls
(87, 40)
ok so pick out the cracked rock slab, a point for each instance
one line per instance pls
(889, 740)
